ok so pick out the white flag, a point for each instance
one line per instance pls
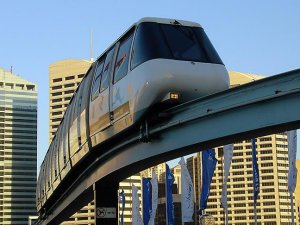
(136, 216)
(292, 149)
(154, 185)
(187, 193)
(228, 152)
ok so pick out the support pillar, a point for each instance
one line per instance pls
(106, 203)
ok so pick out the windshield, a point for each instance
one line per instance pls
(169, 41)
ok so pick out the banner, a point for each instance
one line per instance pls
(208, 167)
(255, 171)
(292, 151)
(169, 196)
(136, 216)
(187, 193)
(122, 198)
(147, 199)
(154, 185)
(228, 153)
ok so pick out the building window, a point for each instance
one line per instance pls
(56, 94)
(56, 87)
(56, 100)
(70, 78)
(57, 80)
(69, 85)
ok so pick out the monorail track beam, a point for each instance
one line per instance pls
(260, 108)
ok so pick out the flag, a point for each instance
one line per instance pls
(122, 198)
(169, 196)
(136, 216)
(255, 171)
(154, 185)
(292, 151)
(187, 193)
(147, 199)
(228, 153)
(208, 167)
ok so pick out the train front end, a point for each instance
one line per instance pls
(170, 56)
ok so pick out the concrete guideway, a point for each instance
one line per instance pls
(255, 109)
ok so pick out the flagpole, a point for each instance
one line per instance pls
(166, 194)
(226, 216)
(166, 187)
(226, 161)
(181, 194)
(255, 178)
(226, 209)
(292, 175)
(255, 213)
(292, 208)
(201, 184)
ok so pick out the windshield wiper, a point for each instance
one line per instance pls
(177, 23)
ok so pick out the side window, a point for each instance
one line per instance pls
(78, 98)
(106, 70)
(121, 67)
(96, 82)
(88, 86)
(72, 106)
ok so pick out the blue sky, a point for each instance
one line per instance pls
(260, 37)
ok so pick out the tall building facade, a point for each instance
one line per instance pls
(64, 77)
(273, 207)
(18, 148)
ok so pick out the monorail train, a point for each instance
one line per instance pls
(153, 59)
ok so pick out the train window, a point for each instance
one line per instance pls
(80, 94)
(183, 43)
(56, 152)
(168, 41)
(65, 138)
(106, 70)
(148, 44)
(121, 66)
(89, 76)
(72, 107)
(96, 82)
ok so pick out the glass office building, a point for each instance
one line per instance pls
(18, 148)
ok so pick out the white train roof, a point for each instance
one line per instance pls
(168, 21)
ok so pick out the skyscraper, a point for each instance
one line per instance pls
(18, 148)
(64, 77)
(273, 207)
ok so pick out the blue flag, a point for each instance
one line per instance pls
(255, 171)
(147, 199)
(122, 197)
(169, 196)
(208, 167)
